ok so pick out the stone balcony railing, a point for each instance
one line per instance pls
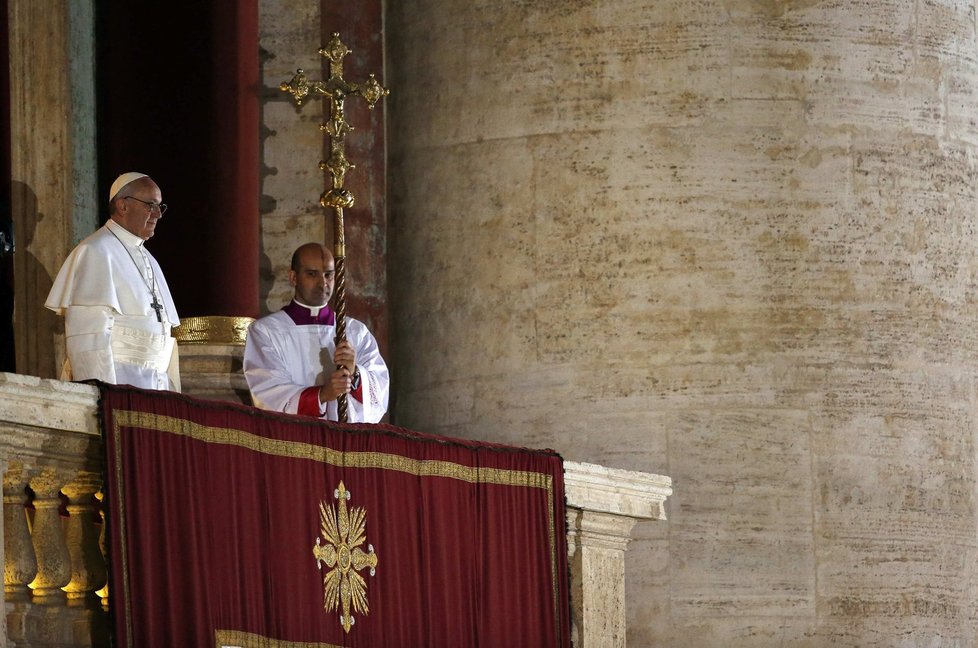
(54, 569)
(53, 564)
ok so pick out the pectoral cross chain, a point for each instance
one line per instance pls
(150, 283)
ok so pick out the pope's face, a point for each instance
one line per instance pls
(137, 208)
(313, 282)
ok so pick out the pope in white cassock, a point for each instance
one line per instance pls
(117, 307)
(291, 359)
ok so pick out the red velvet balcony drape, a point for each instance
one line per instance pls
(235, 527)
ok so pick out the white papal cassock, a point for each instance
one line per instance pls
(289, 354)
(106, 290)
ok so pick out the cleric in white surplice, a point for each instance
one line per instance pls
(117, 307)
(291, 359)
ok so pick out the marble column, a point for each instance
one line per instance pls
(53, 171)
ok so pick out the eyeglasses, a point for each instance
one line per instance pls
(151, 205)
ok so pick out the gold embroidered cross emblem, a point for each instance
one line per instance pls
(344, 533)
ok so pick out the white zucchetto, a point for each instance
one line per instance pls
(122, 181)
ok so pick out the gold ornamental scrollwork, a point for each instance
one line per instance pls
(344, 533)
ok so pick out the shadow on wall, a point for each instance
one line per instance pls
(7, 358)
(38, 332)
(266, 203)
(266, 277)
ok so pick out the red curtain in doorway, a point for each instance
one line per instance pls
(230, 526)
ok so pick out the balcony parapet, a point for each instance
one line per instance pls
(50, 456)
(54, 567)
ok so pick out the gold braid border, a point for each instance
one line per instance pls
(299, 450)
(247, 640)
(120, 509)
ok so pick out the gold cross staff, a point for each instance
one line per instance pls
(337, 89)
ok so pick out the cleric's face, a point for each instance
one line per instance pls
(138, 207)
(313, 282)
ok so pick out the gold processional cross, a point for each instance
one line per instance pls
(336, 88)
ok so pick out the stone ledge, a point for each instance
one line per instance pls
(600, 489)
(40, 403)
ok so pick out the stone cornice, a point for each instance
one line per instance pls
(600, 489)
(35, 403)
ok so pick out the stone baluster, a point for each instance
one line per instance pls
(87, 617)
(20, 564)
(47, 534)
(104, 592)
(49, 621)
(88, 572)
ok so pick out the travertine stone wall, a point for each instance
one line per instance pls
(730, 242)
(292, 145)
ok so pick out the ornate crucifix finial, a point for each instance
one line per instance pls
(337, 89)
